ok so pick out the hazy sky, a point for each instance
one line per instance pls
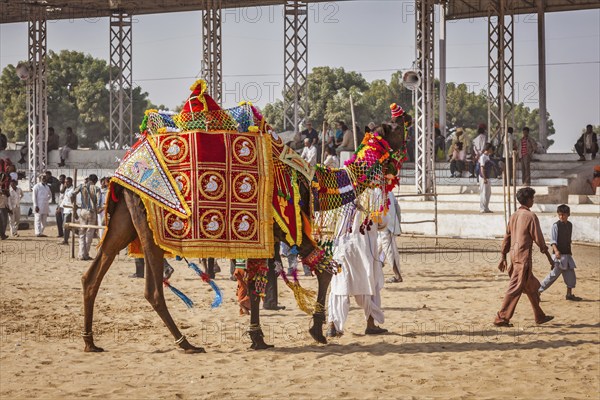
(372, 37)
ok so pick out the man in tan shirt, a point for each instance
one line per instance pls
(522, 231)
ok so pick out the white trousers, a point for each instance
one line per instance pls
(39, 223)
(485, 192)
(86, 234)
(13, 220)
(387, 243)
(339, 305)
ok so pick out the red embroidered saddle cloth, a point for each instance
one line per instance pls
(226, 181)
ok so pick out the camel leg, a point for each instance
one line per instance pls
(316, 331)
(153, 257)
(255, 332)
(120, 233)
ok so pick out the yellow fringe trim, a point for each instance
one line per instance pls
(305, 298)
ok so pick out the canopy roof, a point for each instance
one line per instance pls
(460, 9)
(19, 10)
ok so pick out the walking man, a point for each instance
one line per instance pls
(41, 205)
(522, 231)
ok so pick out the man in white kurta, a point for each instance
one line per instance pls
(361, 276)
(41, 205)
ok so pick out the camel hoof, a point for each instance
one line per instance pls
(317, 333)
(195, 350)
(316, 330)
(261, 346)
(258, 342)
(93, 349)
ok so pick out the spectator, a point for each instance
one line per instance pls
(595, 182)
(512, 147)
(485, 187)
(309, 154)
(439, 143)
(347, 143)
(332, 160)
(457, 160)
(52, 140)
(66, 206)
(53, 184)
(587, 143)
(4, 206)
(59, 211)
(71, 143)
(526, 150)
(410, 137)
(41, 205)
(339, 132)
(3, 141)
(14, 205)
(270, 301)
(90, 195)
(329, 136)
(478, 147)
(310, 133)
(102, 204)
(10, 169)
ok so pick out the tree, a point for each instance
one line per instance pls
(78, 96)
(329, 92)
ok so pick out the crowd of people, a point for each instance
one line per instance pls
(88, 198)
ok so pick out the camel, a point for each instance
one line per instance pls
(128, 221)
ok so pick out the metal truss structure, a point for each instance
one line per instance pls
(121, 80)
(295, 85)
(424, 97)
(501, 78)
(212, 65)
(37, 97)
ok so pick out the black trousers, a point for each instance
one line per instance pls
(66, 219)
(3, 221)
(59, 222)
(270, 300)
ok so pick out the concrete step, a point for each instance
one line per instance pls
(448, 181)
(535, 165)
(540, 174)
(557, 157)
(471, 203)
(473, 224)
(474, 188)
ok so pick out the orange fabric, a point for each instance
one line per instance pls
(242, 289)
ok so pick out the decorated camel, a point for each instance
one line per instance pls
(209, 182)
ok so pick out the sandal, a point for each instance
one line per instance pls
(572, 297)
(393, 280)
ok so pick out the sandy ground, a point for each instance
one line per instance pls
(441, 342)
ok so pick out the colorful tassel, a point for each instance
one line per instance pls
(188, 302)
(305, 298)
(218, 300)
(218, 295)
